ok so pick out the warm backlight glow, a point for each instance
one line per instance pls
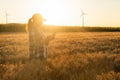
(56, 12)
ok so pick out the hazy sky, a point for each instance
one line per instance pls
(63, 12)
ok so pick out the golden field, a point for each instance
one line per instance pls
(71, 56)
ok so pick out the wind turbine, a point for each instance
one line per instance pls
(6, 15)
(82, 15)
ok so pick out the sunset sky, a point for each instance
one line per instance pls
(63, 12)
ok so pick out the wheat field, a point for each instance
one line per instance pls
(71, 56)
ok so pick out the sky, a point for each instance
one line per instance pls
(63, 12)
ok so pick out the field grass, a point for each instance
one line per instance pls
(71, 56)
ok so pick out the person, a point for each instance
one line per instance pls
(38, 41)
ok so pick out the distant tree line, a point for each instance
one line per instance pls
(12, 27)
(82, 29)
(16, 27)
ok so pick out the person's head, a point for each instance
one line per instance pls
(37, 19)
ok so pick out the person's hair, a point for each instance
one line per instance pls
(28, 25)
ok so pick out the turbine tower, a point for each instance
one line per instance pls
(6, 16)
(82, 15)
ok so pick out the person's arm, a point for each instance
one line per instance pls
(49, 38)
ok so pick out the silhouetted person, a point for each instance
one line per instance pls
(37, 40)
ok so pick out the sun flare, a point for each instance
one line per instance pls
(54, 11)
